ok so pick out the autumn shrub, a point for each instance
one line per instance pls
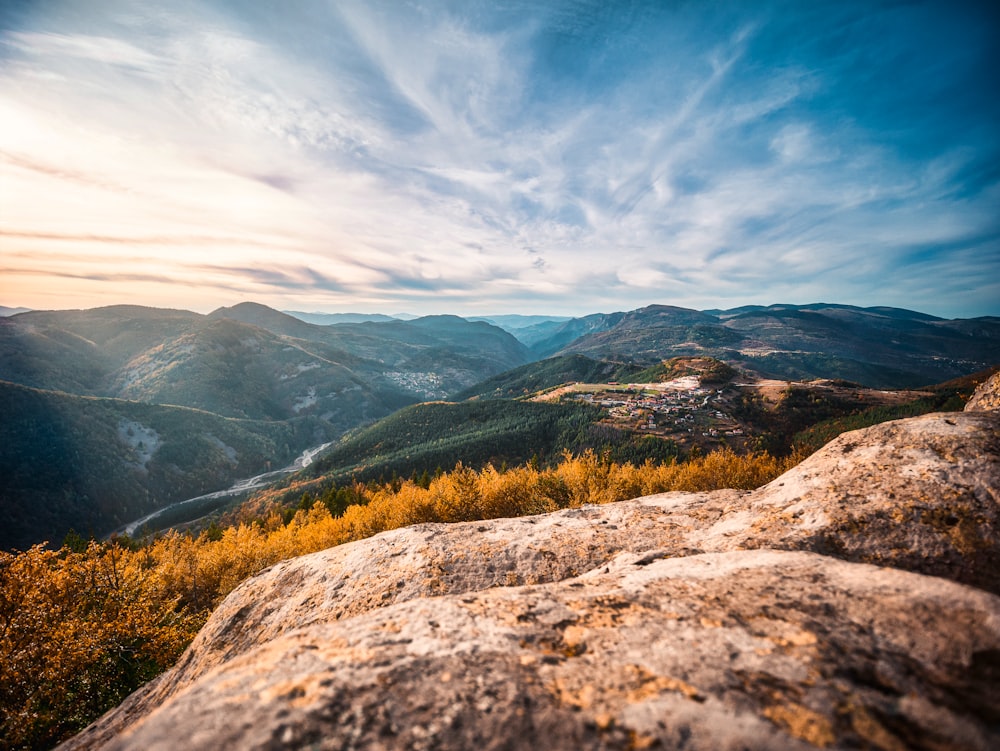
(727, 469)
(78, 633)
(516, 492)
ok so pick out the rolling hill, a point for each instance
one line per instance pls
(240, 370)
(549, 373)
(429, 357)
(77, 350)
(438, 434)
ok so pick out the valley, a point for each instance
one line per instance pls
(193, 509)
(94, 464)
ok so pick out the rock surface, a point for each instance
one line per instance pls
(758, 649)
(987, 397)
(683, 620)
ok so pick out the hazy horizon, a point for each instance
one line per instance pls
(405, 315)
(488, 158)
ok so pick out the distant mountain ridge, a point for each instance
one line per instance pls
(515, 324)
(436, 356)
(878, 347)
(152, 355)
(879, 310)
(333, 319)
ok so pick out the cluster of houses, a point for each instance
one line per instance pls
(665, 411)
(429, 385)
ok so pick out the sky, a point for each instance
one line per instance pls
(525, 156)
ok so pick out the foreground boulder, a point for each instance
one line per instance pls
(707, 620)
(751, 649)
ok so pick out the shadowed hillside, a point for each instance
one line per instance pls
(93, 464)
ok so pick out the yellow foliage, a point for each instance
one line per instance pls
(78, 633)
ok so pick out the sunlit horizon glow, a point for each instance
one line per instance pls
(565, 157)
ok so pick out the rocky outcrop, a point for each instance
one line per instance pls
(986, 397)
(698, 621)
(751, 649)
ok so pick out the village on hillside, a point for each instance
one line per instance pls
(691, 412)
(681, 409)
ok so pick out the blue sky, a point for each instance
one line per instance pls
(487, 157)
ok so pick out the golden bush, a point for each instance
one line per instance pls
(78, 633)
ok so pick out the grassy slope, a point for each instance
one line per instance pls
(946, 397)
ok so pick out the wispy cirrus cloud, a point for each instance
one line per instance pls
(73, 48)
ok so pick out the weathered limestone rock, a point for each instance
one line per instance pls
(987, 397)
(921, 494)
(750, 649)
(690, 627)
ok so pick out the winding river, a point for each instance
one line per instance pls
(202, 502)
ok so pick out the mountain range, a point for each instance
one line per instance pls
(878, 347)
(212, 398)
(256, 386)
(250, 361)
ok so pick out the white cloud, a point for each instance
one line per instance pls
(99, 49)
